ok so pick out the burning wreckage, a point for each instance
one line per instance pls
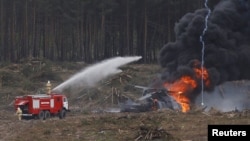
(151, 99)
(178, 94)
(185, 93)
(188, 73)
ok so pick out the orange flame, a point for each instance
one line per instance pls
(186, 84)
(198, 72)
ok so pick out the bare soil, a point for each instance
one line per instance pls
(89, 119)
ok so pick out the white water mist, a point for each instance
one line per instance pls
(91, 75)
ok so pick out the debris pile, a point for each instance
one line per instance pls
(153, 133)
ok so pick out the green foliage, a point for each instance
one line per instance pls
(4, 64)
(28, 85)
(46, 75)
(10, 78)
(71, 65)
(27, 70)
(41, 71)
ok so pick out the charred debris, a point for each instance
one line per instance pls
(152, 99)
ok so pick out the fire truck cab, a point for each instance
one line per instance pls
(42, 106)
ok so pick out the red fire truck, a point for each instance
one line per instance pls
(42, 106)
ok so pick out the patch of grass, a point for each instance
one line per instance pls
(85, 122)
(47, 132)
(9, 78)
(71, 65)
(28, 85)
(46, 75)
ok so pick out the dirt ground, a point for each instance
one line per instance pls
(88, 120)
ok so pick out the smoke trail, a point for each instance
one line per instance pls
(227, 44)
(203, 49)
(89, 76)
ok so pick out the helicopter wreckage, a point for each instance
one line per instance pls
(152, 99)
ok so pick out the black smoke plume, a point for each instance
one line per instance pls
(227, 44)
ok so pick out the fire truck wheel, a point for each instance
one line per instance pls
(62, 114)
(47, 115)
(41, 115)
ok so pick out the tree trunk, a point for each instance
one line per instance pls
(127, 28)
(145, 56)
(2, 23)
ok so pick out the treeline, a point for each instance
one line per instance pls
(88, 30)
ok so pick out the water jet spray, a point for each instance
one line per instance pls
(91, 75)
